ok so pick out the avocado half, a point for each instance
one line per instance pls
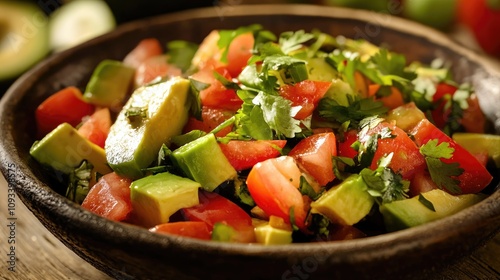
(24, 37)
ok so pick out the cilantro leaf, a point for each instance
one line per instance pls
(384, 184)
(292, 41)
(306, 189)
(442, 173)
(79, 182)
(432, 149)
(357, 110)
(278, 114)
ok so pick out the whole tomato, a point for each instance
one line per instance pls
(482, 17)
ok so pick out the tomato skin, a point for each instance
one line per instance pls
(216, 95)
(406, 159)
(66, 105)
(344, 148)
(483, 19)
(96, 127)
(273, 184)
(439, 114)
(146, 48)
(245, 154)
(240, 50)
(211, 118)
(306, 94)
(193, 229)
(314, 154)
(214, 208)
(110, 197)
(475, 176)
(473, 119)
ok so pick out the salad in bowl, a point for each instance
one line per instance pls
(257, 137)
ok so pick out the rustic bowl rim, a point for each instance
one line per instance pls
(421, 236)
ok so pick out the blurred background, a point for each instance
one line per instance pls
(31, 30)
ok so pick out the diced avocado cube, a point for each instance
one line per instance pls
(151, 116)
(203, 161)
(268, 235)
(155, 198)
(109, 84)
(339, 91)
(346, 203)
(63, 149)
(320, 70)
(411, 212)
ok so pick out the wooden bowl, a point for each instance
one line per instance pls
(129, 252)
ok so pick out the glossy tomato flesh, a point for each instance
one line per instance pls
(314, 155)
(96, 127)
(193, 229)
(245, 154)
(273, 184)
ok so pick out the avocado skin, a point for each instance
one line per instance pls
(132, 146)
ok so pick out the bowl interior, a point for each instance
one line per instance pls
(74, 67)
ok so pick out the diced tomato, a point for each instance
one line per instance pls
(475, 176)
(211, 118)
(440, 113)
(406, 159)
(214, 208)
(314, 155)
(216, 95)
(305, 94)
(273, 184)
(66, 105)
(245, 154)
(110, 197)
(193, 229)
(153, 68)
(344, 148)
(421, 183)
(208, 54)
(393, 100)
(96, 127)
(473, 119)
(240, 50)
(146, 48)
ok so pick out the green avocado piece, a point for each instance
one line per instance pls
(109, 84)
(203, 161)
(411, 212)
(268, 235)
(320, 70)
(346, 203)
(63, 149)
(24, 37)
(155, 198)
(149, 119)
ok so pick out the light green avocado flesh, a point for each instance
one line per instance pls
(268, 235)
(346, 203)
(133, 142)
(411, 212)
(24, 37)
(63, 149)
(109, 84)
(155, 198)
(203, 161)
